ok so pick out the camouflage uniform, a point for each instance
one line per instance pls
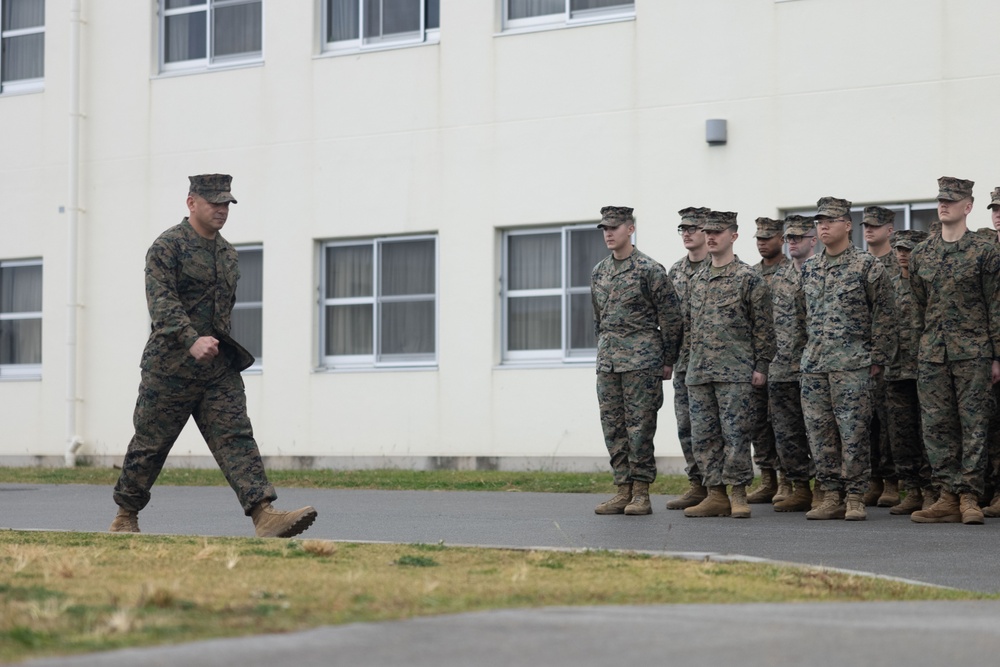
(765, 453)
(638, 325)
(190, 292)
(729, 320)
(784, 397)
(680, 275)
(957, 314)
(850, 327)
(907, 444)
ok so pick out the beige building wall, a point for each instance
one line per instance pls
(485, 131)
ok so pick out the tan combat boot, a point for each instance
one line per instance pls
(993, 509)
(944, 510)
(616, 505)
(126, 521)
(832, 507)
(875, 488)
(739, 505)
(784, 488)
(716, 503)
(694, 495)
(799, 500)
(913, 501)
(855, 508)
(818, 495)
(968, 504)
(890, 494)
(270, 522)
(768, 487)
(640, 500)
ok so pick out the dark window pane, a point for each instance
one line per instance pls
(177, 4)
(407, 268)
(407, 328)
(237, 30)
(583, 5)
(534, 261)
(247, 328)
(522, 9)
(21, 14)
(586, 249)
(922, 219)
(533, 323)
(432, 14)
(251, 284)
(21, 289)
(348, 271)
(21, 341)
(581, 323)
(185, 37)
(342, 20)
(348, 330)
(23, 57)
(400, 16)
(373, 18)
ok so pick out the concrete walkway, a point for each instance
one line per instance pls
(818, 634)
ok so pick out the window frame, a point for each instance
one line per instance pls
(210, 62)
(17, 86)
(565, 354)
(362, 44)
(23, 371)
(258, 364)
(565, 19)
(375, 360)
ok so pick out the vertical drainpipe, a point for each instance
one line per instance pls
(73, 441)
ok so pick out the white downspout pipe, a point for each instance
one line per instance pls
(73, 440)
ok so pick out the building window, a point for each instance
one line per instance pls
(21, 318)
(536, 13)
(379, 302)
(22, 45)
(200, 34)
(548, 314)
(919, 215)
(354, 25)
(248, 313)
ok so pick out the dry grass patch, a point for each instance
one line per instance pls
(66, 593)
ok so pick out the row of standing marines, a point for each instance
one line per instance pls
(871, 373)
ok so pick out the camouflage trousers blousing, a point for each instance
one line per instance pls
(682, 413)
(629, 403)
(837, 408)
(218, 405)
(955, 406)
(765, 452)
(785, 406)
(721, 422)
(908, 453)
(883, 466)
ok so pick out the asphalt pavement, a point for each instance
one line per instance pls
(951, 555)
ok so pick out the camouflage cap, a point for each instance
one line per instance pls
(831, 207)
(693, 216)
(616, 216)
(213, 188)
(994, 198)
(954, 189)
(800, 225)
(908, 238)
(717, 221)
(768, 228)
(878, 216)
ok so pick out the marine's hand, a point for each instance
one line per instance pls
(668, 372)
(875, 370)
(205, 348)
(995, 372)
(758, 379)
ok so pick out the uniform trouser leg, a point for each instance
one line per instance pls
(682, 413)
(955, 405)
(721, 420)
(993, 443)
(629, 403)
(907, 444)
(883, 465)
(837, 408)
(785, 407)
(765, 453)
(222, 418)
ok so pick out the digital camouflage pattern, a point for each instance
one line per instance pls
(883, 466)
(833, 207)
(680, 276)
(615, 216)
(720, 432)
(214, 188)
(904, 363)
(849, 312)
(768, 228)
(954, 189)
(629, 402)
(729, 318)
(877, 216)
(785, 404)
(765, 452)
(217, 401)
(905, 438)
(837, 409)
(957, 313)
(908, 238)
(637, 315)
(994, 199)
(891, 266)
